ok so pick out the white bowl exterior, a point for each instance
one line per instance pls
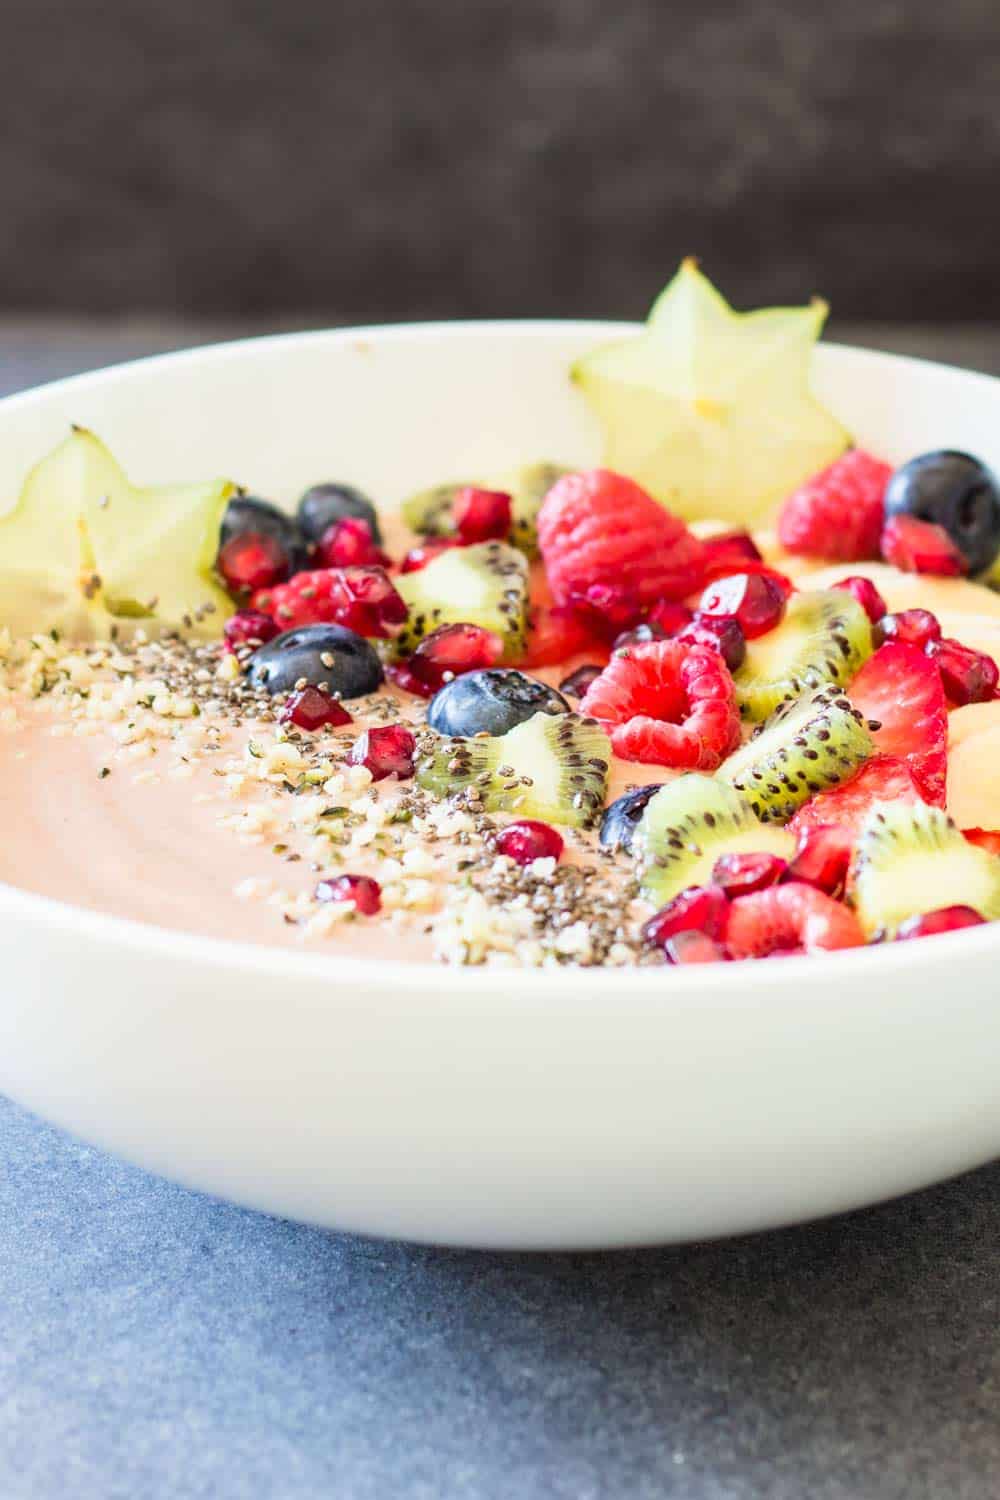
(564, 1108)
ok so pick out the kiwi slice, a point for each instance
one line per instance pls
(553, 766)
(912, 859)
(429, 511)
(804, 747)
(824, 638)
(688, 824)
(483, 585)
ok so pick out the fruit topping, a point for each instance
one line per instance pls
(721, 633)
(483, 585)
(600, 530)
(742, 874)
(527, 840)
(491, 702)
(913, 627)
(693, 948)
(824, 638)
(365, 893)
(432, 511)
(552, 766)
(697, 909)
(363, 599)
(481, 515)
(968, 676)
(755, 600)
(622, 818)
(446, 653)
(669, 616)
(945, 919)
(805, 747)
(822, 859)
(921, 547)
(956, 492)
(983, 838)
(688, 824)
(899, 691)
(907, 857)
(639, 636)
(865, 592)
(844, 808)
(248, 627)
(311, 708)
(577, 683)
(349, 543)
(326, 656)
(323, 504)
(387, 751)
(789, 918)
(556, 633)
(249, 515)
(419, 557)
(728, 552)
(839, 513)
(711, 410)
(667, 703)
(251, 560)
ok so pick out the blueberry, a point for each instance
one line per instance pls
(283, 662)
(957, 492)
(621, 819)
(491, 702)
(323, 504)
(248, 513)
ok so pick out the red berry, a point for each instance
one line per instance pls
(361, 889)
(363, 599)
(349, 543)
(884, 778)
(968, 676)
(556, 634)
(481, 515)
(601, 528)
(899, 689)
(756, 600)
(418, 557)
(839, 512)
(451, 650)
(577, 683)
(729, 552)
(670, 617)
(741, 874)
(528, 839)
(311, 708)
(921, 547)
(701, 908)
(915, 627)
(693, 948)
(252, 560)
(386, 752)
(793, 916)
(865, 592)
(607, 608)
(721, 633)
(399, 673)
(248, 627)
(945, 919)
(822, 860)
(667, 703)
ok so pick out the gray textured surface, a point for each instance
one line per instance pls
(159, 1344)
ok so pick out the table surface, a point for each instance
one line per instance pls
(156, 1343)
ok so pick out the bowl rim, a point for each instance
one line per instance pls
(893, 961)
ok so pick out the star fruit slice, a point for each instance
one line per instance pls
(84, 549)
(709, 409)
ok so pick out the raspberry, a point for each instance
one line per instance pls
(921, 547)
(900, 689)
(793, 917)
(363, 599)
(838, 513)
(599, 528)
(667, 703)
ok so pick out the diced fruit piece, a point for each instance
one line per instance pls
(431, 511)
(688, 824)
(914, 627)
(485, 585)
(348, 543)
(556, 633)
(326, 656)
(954, 491)
(754, 600)
(900, 690)
(419, 557)
(577, 683)
(805, 747)
(742, 874)
(311, 708)
(600, 529)
(921, 547)
(250, 515)
(822, 859)
(389, 750)
(491, 702)
(693, 948)
(248, 627)
(720, 633)
(251, 561)
(983, 838)
(553, 767)
(83, 550)
(669, 616)
(698, 909)
(968, 676)
(838, 513)
(528, 840)
(793, 917)
(452, 650)
(323, 504)
(667, 703)
(365, 893)
(363, 599)
(607, 608)
(728, 552)
(824, 638)
(481, 515)
(907, 857)
(945, 919)
(845, 808)
(622, 818)
(709, 409)
(865, 592)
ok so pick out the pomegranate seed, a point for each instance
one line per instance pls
(386, 752)
(915, 627)
(945, 919)
(527, 839)
(400, 674)
(361, 889)
(481, 515)
(822, 860)
(756, 600)
(741, 874)
(451, 650)
(252, 560)
(701, 908)
(349, 543)
(728, 552)
(721, 633)
(608, 608)
(921, 547)
(418, 557)
(693, 948)
(968, 676)
(577, 683)
(638, 636)
(865, 592)
(248, 627)
(311, 708)
(670, 617)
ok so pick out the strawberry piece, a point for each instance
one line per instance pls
(945, 919)
(666, 703)
(900, 688)
(839, 512)
(794, 917)
(844, 808)
(822, 859)
(481, 515)
(601, 528)
(921, 547)
(363, 599)
(984, 838)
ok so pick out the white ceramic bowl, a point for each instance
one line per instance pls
(575, 1108)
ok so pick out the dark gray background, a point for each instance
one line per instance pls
(377, 159)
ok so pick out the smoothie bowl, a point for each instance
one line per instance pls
(432, 925)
